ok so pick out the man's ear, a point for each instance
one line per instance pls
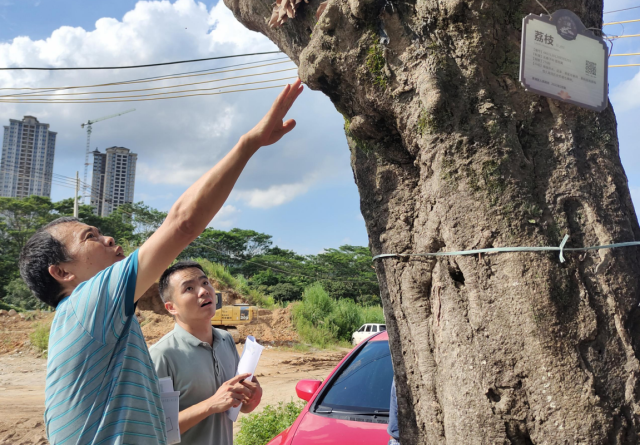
(61, 275)
(168, 305)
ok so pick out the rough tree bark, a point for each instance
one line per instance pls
(450, 153)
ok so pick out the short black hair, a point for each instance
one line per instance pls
(41, 251)
(163, 285)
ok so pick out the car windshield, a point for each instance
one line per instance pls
(365, 384)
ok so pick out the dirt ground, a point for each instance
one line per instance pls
(22, 379)
(22, 370)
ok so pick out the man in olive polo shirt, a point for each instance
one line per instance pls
(201, 360)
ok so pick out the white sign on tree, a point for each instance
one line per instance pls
(562, 59)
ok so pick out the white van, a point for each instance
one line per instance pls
(366, 331)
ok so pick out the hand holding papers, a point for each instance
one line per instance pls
(248, 364)
(171, 405)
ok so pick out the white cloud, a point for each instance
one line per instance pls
(181, 175)
(227, 30)
(226, 218)
(273, 196)
(178, 140)
(626, 96)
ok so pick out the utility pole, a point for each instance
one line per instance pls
(75, 198)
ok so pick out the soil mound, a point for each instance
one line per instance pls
(16, 327)
(154, 326)
(271, 327)
(151, 301)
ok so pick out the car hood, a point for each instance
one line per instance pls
(318, 430)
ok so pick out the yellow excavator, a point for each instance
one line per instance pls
(229, 317)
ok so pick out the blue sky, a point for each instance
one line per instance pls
(301, 190)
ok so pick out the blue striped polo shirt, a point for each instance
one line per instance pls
(101, 385)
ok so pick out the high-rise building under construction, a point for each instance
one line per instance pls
(113, 180)
(26, 164)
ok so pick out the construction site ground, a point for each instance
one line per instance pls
(23, 369)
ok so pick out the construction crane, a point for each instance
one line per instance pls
(88, 125)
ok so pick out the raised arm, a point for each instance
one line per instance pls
(195, 209)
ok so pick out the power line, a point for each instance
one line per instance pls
(619, 10)
(280, 270)
(52, 181)
(57, 176)
(143, 80)
(136, 66)
(621, 55)
(154, 88)
(68, 183)
(96, 101)
(619, 66)
(89, 100)
(625, 37)
(107, 198)
(159, 77)
(619, 23)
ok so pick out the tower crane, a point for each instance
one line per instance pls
(88, 125)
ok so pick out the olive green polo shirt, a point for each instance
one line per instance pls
(198, 370)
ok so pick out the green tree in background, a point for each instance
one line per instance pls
(230, 248)
(248, 256)
(18, 294)
(19, 219)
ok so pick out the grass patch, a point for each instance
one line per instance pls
(217, 272)
(324, 322)
(238, 283)
(375, 64)
(260, 428)
(39, 338)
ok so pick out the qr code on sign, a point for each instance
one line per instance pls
(590, 68)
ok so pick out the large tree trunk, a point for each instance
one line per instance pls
(450, 153)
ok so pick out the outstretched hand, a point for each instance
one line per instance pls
(272, 126)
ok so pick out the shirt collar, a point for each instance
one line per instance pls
(191, 339)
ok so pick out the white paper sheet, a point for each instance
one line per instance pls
(166, 384)
(171, 406)
(248, 364)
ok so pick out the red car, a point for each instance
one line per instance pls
(351, 406)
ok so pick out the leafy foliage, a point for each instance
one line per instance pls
(285, 292)
(323, 321)
(18, 294)
(230, 249)
(260, 428)
(241, 259)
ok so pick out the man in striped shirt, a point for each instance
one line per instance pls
(101, 387)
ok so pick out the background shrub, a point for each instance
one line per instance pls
(322, 321)
(40, 337)
(238, 283)
(285, 292)
(18, 294)
(260, 428)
